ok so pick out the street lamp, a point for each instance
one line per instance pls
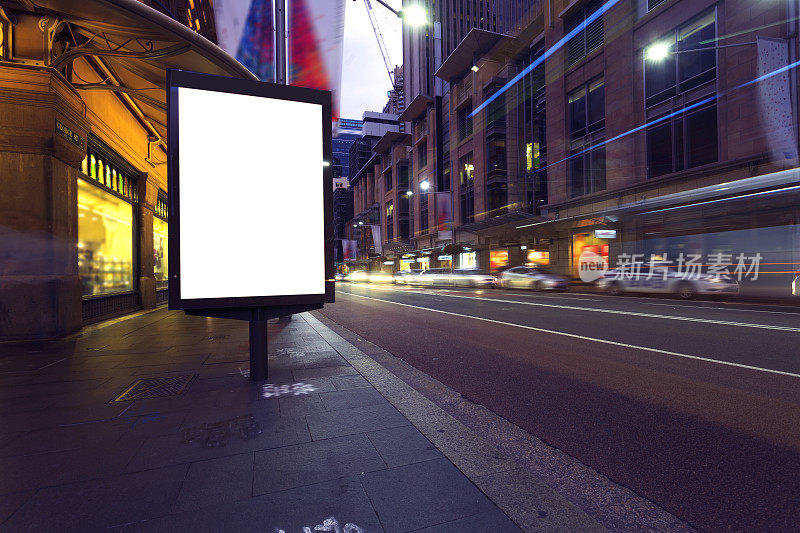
(413, 15)
(657, 52)
(425, 185)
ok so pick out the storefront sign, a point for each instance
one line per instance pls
(69, 135)
(445, 258)
(591, 266)
(605, 234)
(228, 258)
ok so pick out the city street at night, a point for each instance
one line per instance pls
(692, 405)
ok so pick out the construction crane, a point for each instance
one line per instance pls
(379, 37)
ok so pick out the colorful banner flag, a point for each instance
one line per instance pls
(315, 28)
(444, 215)
(349, 249)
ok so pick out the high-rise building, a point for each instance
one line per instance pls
(347, 133)
(396, 103)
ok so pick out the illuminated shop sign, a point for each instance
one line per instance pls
(605, 234)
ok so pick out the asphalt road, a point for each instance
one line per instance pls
(693, 405)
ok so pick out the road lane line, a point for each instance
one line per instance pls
(582, 337)
(619, 312)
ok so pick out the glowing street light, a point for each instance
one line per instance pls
(425, 185)
(414, 15)
(657, 52)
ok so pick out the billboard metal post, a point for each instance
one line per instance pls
(258, 346)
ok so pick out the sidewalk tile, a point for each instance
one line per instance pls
(173, 449)
(423, 495)
(403, 445)
(101, 503)
(350, 382)
(343, 499)
(348, 399)
(223, 480)
(493, 520)
(358, 420)
(314, 462)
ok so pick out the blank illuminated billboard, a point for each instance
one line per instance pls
(250, 174)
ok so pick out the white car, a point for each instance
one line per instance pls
(532, 278)
(407, 277)
(796, 285)
(659, 279)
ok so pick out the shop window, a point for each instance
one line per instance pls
(684, 141)
(105, 241)
(107, 170)
(160, 242)
(536, 257)
(666, 77)
(467, 260)
(589, 38)
(498, 259)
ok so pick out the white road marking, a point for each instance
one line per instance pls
(592, 339)
(628, 313)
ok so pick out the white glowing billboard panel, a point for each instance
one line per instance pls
(250, 196)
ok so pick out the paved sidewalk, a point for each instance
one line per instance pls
(201, 448)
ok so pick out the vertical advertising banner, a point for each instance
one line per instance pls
(316, 43)
(245, 30)
(376, 239)
(775, 100)
(315, 28)
(349, 249)
(444, 215)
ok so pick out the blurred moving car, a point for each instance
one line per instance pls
(379, 277)
(339, 276)
(357, 275)
(470, 277)
(407, 277)
(658, 279)
(463, 277)
(796, 285)
(532, 278)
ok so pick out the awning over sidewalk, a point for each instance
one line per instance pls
(136, 45)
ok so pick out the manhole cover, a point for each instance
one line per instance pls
(155, 388)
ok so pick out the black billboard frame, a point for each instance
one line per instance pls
(256, 309)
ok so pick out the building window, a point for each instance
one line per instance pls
(466, 170)
(403, 178)
(652, 4)
(587, 110)
(444, 185)
(589, 38)
(683, 141)
(464, 122)
(498, 197)
(467, 205)
(423, 213)
(422, 155)
(587, 170)
(389, 221)
(105, 241)
(388, 178)
(666, 77)
(587, 161)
